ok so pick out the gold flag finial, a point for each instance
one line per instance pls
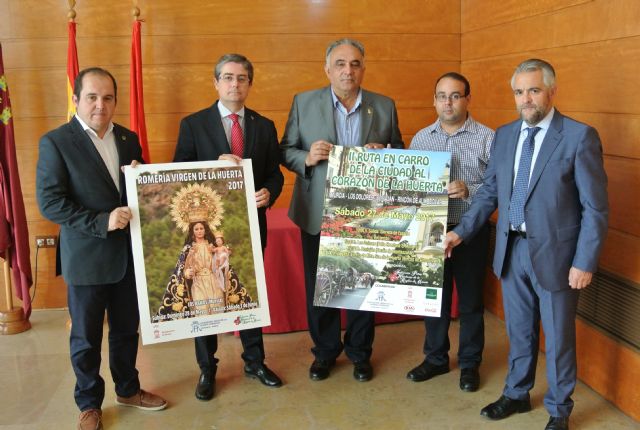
(136, 11)
(72, 13)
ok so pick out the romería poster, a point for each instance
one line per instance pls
(385, 217)
(196, 249)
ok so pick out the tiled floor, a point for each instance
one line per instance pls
(37, 387)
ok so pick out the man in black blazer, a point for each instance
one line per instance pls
(80, 186)
(211, 134)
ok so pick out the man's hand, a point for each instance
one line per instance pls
(457, 190)
(119, 218)
(451, 240)
(374, 145)
(262, 197)
(579, 279)
(231, 157)
(133, 165)
(318, 152)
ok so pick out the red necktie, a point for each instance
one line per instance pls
(237, 141)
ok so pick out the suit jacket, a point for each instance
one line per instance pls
(311, 119)
(74, 189)
(202, 138)
(566, 209)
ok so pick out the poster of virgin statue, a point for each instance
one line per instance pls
(196, 249)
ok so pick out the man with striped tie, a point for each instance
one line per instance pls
(547, 179)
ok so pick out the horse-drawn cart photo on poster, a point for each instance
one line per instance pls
(196, 248)
(385, 217)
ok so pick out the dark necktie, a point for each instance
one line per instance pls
(521, 186)
(237, 140)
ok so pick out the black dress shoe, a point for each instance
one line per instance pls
(426, 371)
(504, 407)
(469, 379)
(206, 387)
(362, 371)
(557, 423)
(261, 372)
(320, 369)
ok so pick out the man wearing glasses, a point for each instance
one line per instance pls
(229, 131)
(469, 144)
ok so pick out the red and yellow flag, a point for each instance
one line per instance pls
(136, 96)
(72, 69)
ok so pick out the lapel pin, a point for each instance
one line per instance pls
(123, 137)
(369, 111)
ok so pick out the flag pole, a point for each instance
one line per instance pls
(72, 71)
(12, 320)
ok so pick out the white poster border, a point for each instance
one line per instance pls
(169, 330)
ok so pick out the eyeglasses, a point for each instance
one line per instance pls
(442, 97)
(241, 79)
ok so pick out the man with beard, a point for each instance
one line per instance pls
(547, 179)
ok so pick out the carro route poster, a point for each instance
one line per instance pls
(196, 249)
(384, 220)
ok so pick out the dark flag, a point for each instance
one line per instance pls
(14, 236)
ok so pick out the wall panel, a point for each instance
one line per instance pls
(482, 14)
(584, 76)
(585, 22)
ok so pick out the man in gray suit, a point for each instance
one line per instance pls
(80, 186)
(547, 179)
(340, 114)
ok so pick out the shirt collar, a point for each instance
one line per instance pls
(88, 129)
(336, 101)
(224, 112)
(469, 126)
(544, 124)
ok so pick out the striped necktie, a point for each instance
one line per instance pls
(521, 186)
(237, 140)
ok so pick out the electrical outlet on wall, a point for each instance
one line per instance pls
(46, 241)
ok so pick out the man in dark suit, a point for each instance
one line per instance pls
(229, 131)
(547, 179)
(340, 114)
(80, 186)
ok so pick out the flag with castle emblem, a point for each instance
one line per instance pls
(14, 235)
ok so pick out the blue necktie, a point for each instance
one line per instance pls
(521, 186)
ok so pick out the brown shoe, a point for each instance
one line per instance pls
(143, 400)
(91, 419)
